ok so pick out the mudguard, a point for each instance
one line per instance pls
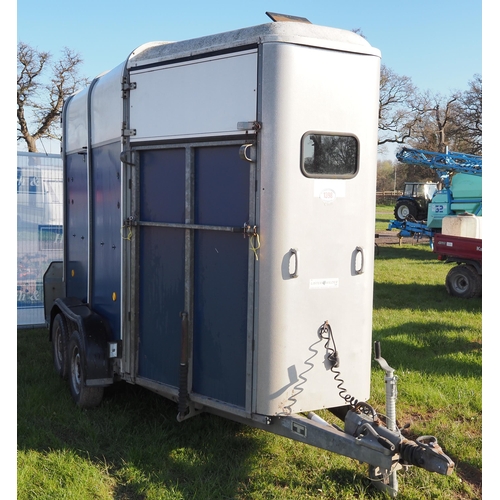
(95, 332)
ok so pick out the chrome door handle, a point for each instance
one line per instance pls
(294, 261)
(359, 261)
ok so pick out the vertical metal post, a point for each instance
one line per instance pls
(390, 405)
(184, 367)
(185, 377)
(133, 249)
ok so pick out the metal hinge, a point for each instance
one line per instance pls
(129, 86)
(249, 126)
(127, 132)
(126, 88)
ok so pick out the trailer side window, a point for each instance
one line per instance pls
(328, 155)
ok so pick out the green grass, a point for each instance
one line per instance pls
(384, 214)
(132, 448)
(434, 342)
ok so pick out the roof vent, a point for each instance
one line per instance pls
(285, 17)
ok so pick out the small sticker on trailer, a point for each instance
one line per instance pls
(324, 283)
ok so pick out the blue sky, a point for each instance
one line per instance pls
(436, 43)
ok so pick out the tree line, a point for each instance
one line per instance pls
(425, 120)
(407, 116)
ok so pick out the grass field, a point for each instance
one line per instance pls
(132, 448)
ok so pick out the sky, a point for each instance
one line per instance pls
(436, 43)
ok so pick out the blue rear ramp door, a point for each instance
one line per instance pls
(161, 273)
(207, 272)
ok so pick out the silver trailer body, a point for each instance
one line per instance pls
(212, 191)
(271, 87)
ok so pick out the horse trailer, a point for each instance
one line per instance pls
(211, 188)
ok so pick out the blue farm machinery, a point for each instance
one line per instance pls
(459, 191)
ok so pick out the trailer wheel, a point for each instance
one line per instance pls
(463, 281)
(59, 337)
(83, 395)
(405, 208)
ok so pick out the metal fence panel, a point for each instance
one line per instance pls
(39, 229)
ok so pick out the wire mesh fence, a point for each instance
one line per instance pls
(39, 229)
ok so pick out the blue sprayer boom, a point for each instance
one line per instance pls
(460, 176)
(444, 163)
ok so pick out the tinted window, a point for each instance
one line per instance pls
(326, 155)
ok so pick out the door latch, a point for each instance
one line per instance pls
(248, 153)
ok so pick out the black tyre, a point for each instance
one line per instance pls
(83, 395)
(405, 209)
(480, 286)
(478, 278)
(60, 339)
(463, 281)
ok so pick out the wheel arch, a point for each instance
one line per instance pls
(476, 264)
(94, 331)
(53, 313)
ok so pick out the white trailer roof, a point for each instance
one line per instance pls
(284, 32)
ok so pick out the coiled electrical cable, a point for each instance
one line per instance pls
(325, 332)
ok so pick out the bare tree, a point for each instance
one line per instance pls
(469, 122)
(398, 112)
(429, 121)
(435, 128)
(454, 122)
(40, 99)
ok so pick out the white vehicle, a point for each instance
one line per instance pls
(39, 188)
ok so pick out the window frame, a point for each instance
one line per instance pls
(313, 175)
